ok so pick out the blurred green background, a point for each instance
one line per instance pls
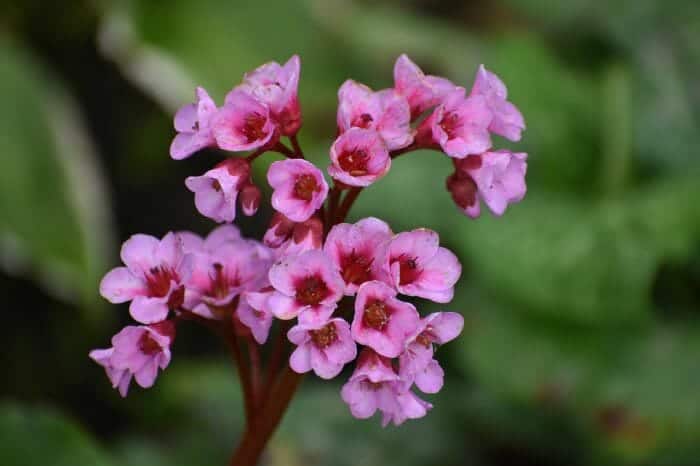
(582, 304)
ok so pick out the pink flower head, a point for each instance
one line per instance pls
(507, 119)
(221, 275)
(243, 123)
(152, 279)
(254, 312)
(459, 125)
(306, 284)
(216, 191)
(299, 188)
(359, 157)
(499, 178)
(324, 347)
(417, 361)
(384, 111)
(277, 86)
(192, 126)
(381, 321)
(421, 91)
(355, 249)
(138, 351)
(375, 386)
(420, 267)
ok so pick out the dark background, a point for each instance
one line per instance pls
(582, 303)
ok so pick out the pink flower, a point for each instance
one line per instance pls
(307, 285)
(381, 321)
(421, 91)
(499, 178)
(254, 312)
(384, 111)
(243, 123)
(375, 386)
(276, 86)
(420, 267)
(354, 250)
(459, 125)
(137, 352)
(417, 361)
(192, 242)
(220, 275)
(299, 188)
(216, 191)
(152, 279)
(359, 157)
(289, 238)
(324, 347)
(507, 119)
(192, 126)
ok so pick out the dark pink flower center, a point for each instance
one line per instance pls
(311, 291)
(356, 268)
(376, 315)
(147, 345)
(158, 280)
(221, 283)
(253, 127)
(354, 161)
(450, 123)
(325, 336)
(363, 121)
(408, 270)
(216, 186)
(305, 187)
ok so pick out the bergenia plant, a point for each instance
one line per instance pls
(325, 294)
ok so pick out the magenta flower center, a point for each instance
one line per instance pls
(158, 280)
(376, 315)
(220, 282)
(450, 123)
(216, 186)
(311, 291)
(305, 187)
(147, 345)
(253, 125)
(325, 336)
(356, 268)
(354, 162)
(408, 270)
(363, 121)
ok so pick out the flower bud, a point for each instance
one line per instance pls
(250, 199)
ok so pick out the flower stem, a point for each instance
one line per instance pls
(297, 148)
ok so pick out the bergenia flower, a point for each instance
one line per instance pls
(243, 123)
(420, 267)
(277, 86)
(324, 347)
(359, 157)
(152, 279)
(218, 277)
(192, 126)
(299, 188)
(305, 236)
(356, 251)
(192, 242)
(254, 312)
(216, 191)
(306, 285)
(422, 92)
(385, 111)
(374, 385)
(507, 120)
(416, 362)
(138, 352)
(381, 321)
(459, 125)
(499, 178)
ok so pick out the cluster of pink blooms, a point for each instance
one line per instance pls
(341, 286)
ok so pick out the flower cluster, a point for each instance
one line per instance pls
(339, 291)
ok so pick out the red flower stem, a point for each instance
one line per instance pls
(297, 148)
(255, 373)
(259, 432)
(284, 150)
(347, 203)
(243, 371)
(276, 356)
(333, 200)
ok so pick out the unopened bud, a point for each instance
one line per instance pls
(250, 199)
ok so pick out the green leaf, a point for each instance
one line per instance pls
(54, 215)
(40, 436)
